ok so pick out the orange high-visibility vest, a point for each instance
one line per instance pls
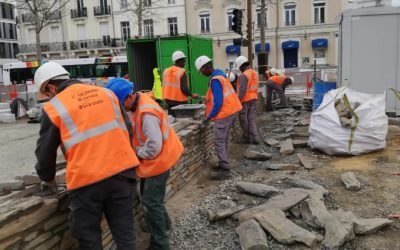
(230, 104)
(172, 147)
(171, 84)
(278, 79)
(93, 134)
(252, 86)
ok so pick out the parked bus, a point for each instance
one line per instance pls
(93, 70)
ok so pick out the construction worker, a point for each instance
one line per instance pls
(175, 83)
(278, 84)
(247, 89)
(222, 104)
(158, 148)
(93, 131)
(270, 72)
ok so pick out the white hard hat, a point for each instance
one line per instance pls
(201, 61)
(272, 71)
(177, 55)
(232, 76)
(240, 60)
(292, 79)
(46, 72)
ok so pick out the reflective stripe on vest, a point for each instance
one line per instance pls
(78, 136)
(164, 121)
(177, 80)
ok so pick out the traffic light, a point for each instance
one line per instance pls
(237, 21)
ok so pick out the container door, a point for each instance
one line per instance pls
(166, 47)
(198, 47)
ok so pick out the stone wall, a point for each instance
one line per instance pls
(28, 221)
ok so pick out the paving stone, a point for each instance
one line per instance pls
(289, 129)
(38, 240)
(299, 183)
(300, 143)
(283, 230)
(257, 189)
(350, 180)
(225, 213)
(29, 179)
(317, 208)
(31, 236)
(288, 199)
(22, 193)
(10, 242)
(49, 244)
(54, 222)
(286, 147)
(338, 230)
(304, 161)
(368, 226)
(306, 215)
(13, 207)
(12, 185)
(272, 142)
(252, 236)
(25, 222)
(256, 155)
(282, 166)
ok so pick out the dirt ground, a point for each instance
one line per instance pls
(378, 197)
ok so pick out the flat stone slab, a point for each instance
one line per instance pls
(282, 166)
(368, 226)
(289, 129)
(299, 183)
(13, 207)
(12, 185)
(252, 236)
(306, 163)
(283, 230)
(29, 179)
(225, 213)
(286, 147)
(256, 155)
(316, 205)
(350, 180)
(272, 142)
(257, 189)
(288, 199)
(338, 230)
(300, 143)
(282, 136)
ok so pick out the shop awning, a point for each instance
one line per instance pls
(319, 43)
(232, 49)
(290, 45)
(258, 47)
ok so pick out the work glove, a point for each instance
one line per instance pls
(204, 122)
(195, 96)
(49, 186)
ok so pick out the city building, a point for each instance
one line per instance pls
(8, 34)
(297, 32)
(90, 28)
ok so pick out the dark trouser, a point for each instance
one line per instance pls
(221, 138)
(278, 89)
(247, 119)
(171, 104)
(113, 196)
(158, 222)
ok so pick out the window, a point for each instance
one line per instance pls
(148, 28)
(31, 36)
(125, 31)
(319, 12)
(147, 3)
(81, 28)
(319, 53)
(230, 17)
(259, 18)
(204, 22)
(55, 34)
(105, 33)
(173, 26)
(171, 1)
(79, 4)
(15, 49)
(124, 4)
(290, 14)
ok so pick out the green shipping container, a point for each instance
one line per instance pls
(146, 54)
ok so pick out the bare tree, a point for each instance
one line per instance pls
(40, 13)
(142, 10)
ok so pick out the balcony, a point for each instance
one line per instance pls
(290, 23)
(106, 42)
(30, 18)
(46, 47)
(78, 13)
(102, 10)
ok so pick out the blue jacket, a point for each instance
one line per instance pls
(216, 89)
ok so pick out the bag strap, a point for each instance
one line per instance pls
(353, 128)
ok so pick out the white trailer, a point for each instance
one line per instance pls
(369, 51)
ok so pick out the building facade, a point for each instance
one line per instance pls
(8, 34)
(297, 31)
(90, 28)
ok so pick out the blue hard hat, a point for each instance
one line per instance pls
(121, 88)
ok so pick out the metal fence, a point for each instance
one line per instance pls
(10, 92)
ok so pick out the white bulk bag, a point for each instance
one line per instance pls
(328, 136)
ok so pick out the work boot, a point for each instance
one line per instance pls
(224, 166)
(219, 175)
(243, 140)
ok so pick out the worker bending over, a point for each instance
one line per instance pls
(278, 84)
(175, 83)
(94, 133)
(270, 72)
(158, 148)
(247, 89)
(222, 104)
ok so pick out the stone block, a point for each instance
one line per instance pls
(256, 155)
(4, 105)
(29, 179)
(304, 161)
(252, 236)
(50, 244)
(38, 240)
(350, 180)
(14, 207)
(10, 242)
(338, 230)
(7, 118)
(299, 183)
(12, 185)
(368, 226)
(257, 189)
(225, 213)
(31, 236)
(286, 147)
(55, 221)
(272, 142)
